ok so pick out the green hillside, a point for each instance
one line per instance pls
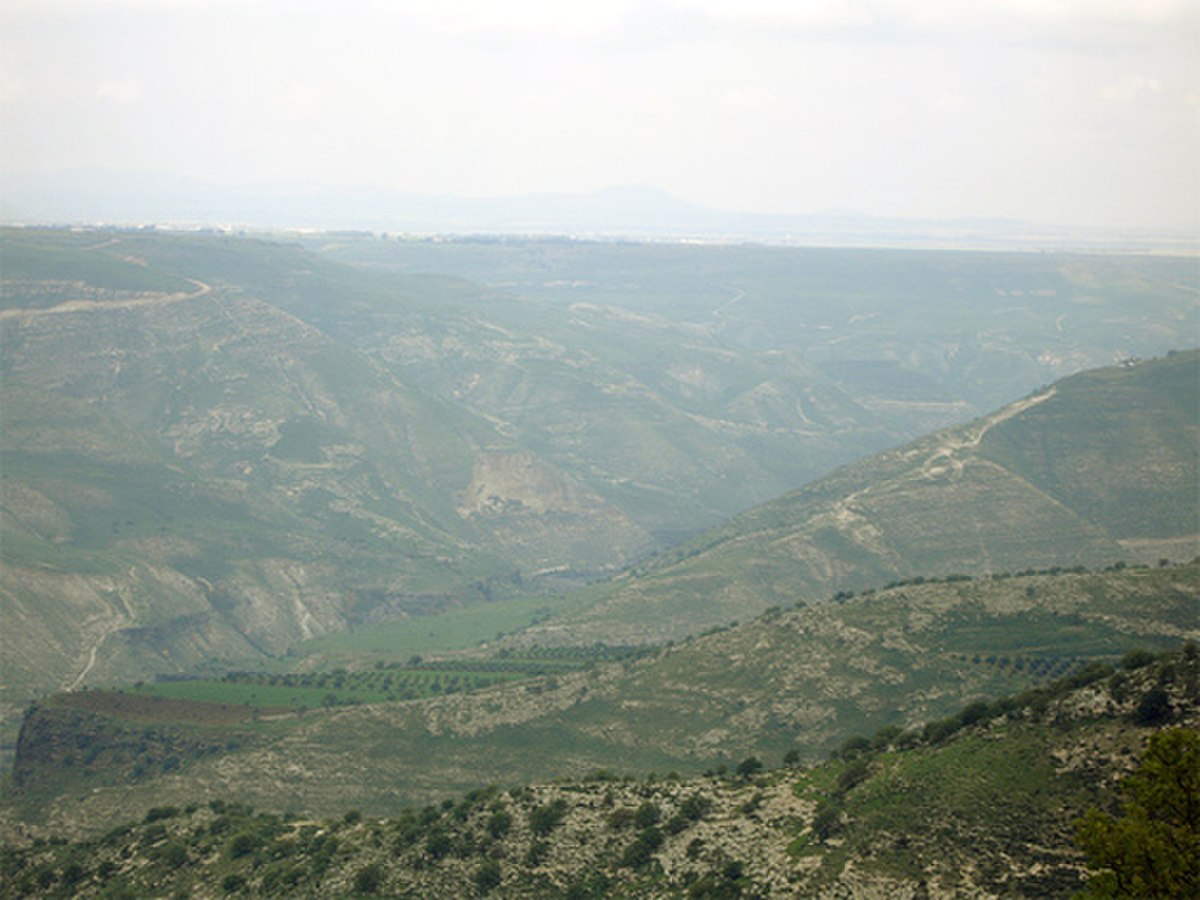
(799, 680)
(1119, 447)
(1099, 468)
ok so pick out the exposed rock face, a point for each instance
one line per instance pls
(541, 515)
(518, 483)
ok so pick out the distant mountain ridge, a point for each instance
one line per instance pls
(636, 212)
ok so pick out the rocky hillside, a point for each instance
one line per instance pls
(981, 804)
(215, 447)
(194, 476)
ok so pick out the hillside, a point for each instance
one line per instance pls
(793, 681)
(1097, 468)
(221, 450)
(283, 440)
(898, 332)
(980, 805)
(195, 475)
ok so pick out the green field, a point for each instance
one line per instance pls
(326, 688)
(456, 629)
(385, 682)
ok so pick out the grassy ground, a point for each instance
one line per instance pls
(455, 629)
(325, 689)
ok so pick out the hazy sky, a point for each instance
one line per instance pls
(1059, 111)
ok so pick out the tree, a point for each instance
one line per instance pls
(749, 767)
(1152, 849)
(1154, 708)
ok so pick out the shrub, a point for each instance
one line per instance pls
(885, 736)
(853, 746)
(938, 731)
(749, 767)
(280, 877)
(544, 819)
(854, 774)
(696, 807)
(714, 887)
(641, 851)
(1092, 672)
(73, 873)
(538, 851)
(1137, 658)
(369, 879)
(174, 855)
(1154, 708)
(243, 844)
(647, 814)
(594, 887)
(499, 823)
(975, 712)
(487, 876)
(621, 818)
(438, 843)
(677, 823)
(827, 821)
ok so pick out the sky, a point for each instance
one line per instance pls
(1069, 112)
